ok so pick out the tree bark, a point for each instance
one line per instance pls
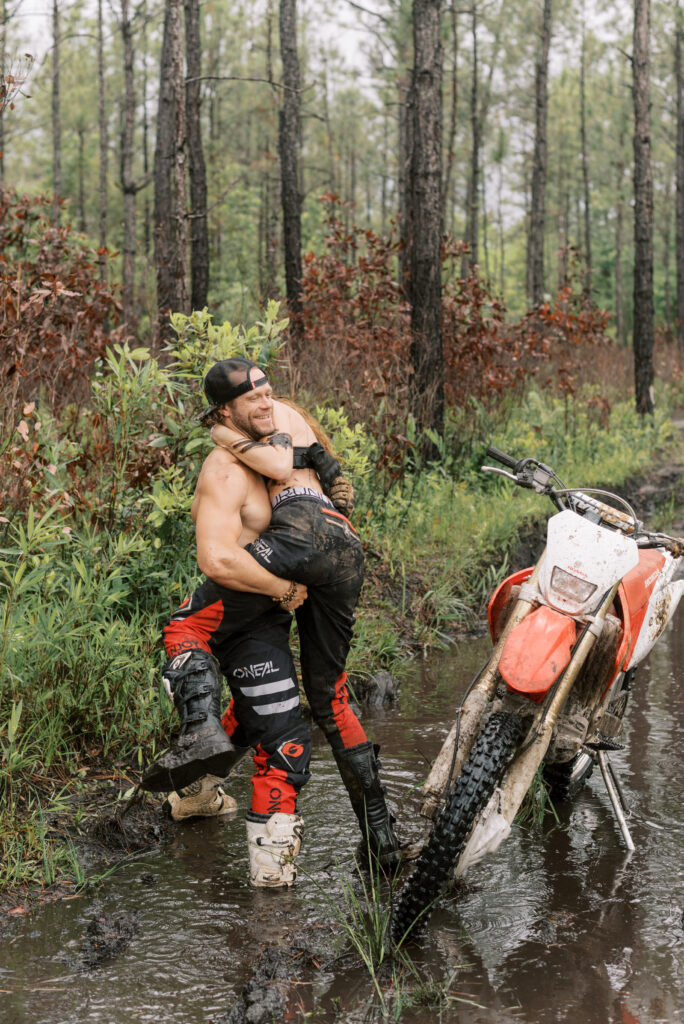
(102, 128)
(427, 388)
(199, 235)
(643, 214)
(619, 245)
(128, 185)
(329, 134)
(80, 132)
(679, 177)
(145, 138)
(405, 212)
(288, 143)
(472, 258)
(453, 117)
(585, 169)
(385, 173)
(170, 215)
(4, 18)
(665, 234)
(56, 125)
(535, 245)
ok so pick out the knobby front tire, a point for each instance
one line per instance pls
(490, 756)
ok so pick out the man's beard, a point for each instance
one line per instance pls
(247, 427)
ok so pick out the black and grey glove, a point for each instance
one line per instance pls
(329, 472)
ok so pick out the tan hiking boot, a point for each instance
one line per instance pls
(201, 799)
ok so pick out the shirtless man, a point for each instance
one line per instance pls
(306, 540)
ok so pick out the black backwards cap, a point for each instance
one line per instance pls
(228, 379)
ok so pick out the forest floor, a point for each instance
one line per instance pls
(104, 829)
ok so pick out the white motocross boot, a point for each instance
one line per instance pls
(201, 799)
(273, 846)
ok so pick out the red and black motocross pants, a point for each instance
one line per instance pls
(248, 635)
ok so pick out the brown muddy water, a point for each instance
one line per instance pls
(561, 924)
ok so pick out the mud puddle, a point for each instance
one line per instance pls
(559, 925)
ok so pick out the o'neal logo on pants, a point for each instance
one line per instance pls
(258, 671)
(274, 800)
(262, 549)
(291, 751)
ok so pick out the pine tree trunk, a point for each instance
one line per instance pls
(4, 18)
(585, 169)
(643, 215)
(679, 177)
(453, 117)
(427, 387)
(128, 186)
(56, 125)
(170, 220)
(619, 242)
(147, 235)
(385, 173)
(102, 128)
(535, 245)
(403, 175)
(502, 236)
(288, 144)
(666, 254)
(82, 227)
(199, 236)
(471, 259)
(329, 134)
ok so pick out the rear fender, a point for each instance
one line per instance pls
(537, 651)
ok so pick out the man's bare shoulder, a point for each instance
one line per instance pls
(221, 470)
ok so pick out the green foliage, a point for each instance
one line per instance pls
(200, 342)
(537, 805)
(96, 548)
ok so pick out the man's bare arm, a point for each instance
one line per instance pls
(221, 491)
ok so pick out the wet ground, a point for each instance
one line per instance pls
(560, 925)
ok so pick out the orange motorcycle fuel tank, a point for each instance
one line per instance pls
(536, 652)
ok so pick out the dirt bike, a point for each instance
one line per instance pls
(568, 634)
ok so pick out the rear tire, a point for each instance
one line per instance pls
(491, 754)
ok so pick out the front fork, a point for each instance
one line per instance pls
(524, 766)
(451, 757)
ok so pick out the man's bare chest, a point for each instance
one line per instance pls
(256, 509)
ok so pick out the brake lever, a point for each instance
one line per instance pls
(501, 472)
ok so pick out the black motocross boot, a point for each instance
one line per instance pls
(359, 768)
(193, 681)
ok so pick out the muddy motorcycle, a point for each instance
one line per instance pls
(568, 634)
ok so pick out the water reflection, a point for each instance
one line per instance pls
(560, 925)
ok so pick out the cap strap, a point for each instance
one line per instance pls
(249, 385)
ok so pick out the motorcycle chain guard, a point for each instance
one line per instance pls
(536, 652)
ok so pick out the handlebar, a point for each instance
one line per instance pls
(505, 460)
(535, 475)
